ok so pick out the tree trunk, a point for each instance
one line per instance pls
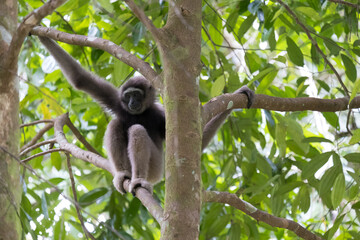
(181, 58)
(10, 189)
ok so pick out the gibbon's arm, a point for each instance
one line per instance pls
(212, 126)
(104, 92)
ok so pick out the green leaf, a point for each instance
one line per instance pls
(350, 69)
(288, 187)
(44, 206)
(296, 133)
(294, 52)
(356, 137)
(355, 90)
(331, 118)
(332, 46)
(315, 164)
(338, 190)
(266, 82)
(56, 160)
(138, 33)
(90, 197)
(218, 86)
(304, 199)
(353, 157)
(309, 12)
(280, 136)
(315, 56)
(235, 231)
(246, 25)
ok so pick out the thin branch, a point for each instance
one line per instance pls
(247, 208)
(77, 206)
(80, 137)
(51, 141)
(25, 27)
(233, 101)
(36, 122)
(105, 45)
(42, 153)
(353, 5)
(313, 41)
(38, 135)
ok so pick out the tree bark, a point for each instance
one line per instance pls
(180, 50)
(10, 188)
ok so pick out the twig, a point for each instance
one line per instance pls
(42, 153)
(77, 206)
(313, 41)
(51, 141)
(247, 208)
(36, 122)
(37, 136)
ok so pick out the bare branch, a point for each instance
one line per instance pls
(77, 152)
(80, 137)
(51, 141)
(232, 101)
(36, 122)
(38, 135)
(77, 206)
(42, 153)
(313, 41)
(247, 208)
(25, 27)
(103, 44)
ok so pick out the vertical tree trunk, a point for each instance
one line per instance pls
(10, 190)
(181, 58)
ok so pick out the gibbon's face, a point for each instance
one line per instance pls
(133, 99)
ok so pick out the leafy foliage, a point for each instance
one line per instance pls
(298, 165)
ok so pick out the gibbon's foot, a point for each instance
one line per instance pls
(139, 182)
(249, 94)
(119, 179)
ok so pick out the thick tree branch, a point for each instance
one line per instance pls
(103, 44)
(247, 208)
(313, 41)
(232, 101)
(25, 27)
(77, 152)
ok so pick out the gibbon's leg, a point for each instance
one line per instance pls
(116, 148)
(212, 126)
(139, 151)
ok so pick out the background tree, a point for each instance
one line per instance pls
(291, 163)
